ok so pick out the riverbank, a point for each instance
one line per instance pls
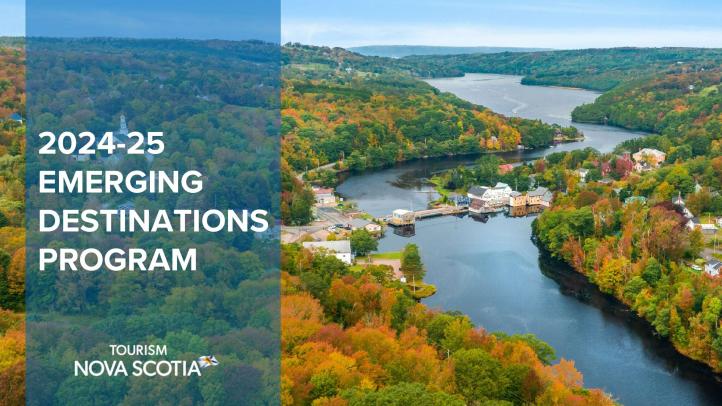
(577, 285)
(492, 272)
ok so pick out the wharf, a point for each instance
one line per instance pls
(404, 217)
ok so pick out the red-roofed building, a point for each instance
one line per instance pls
(324, 196)
(505, 168)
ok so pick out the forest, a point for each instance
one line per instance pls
(626, 235)
(366, 113)
(594, 69)
(358, 338)
(217, 120)
(340, 105)
(12, 228)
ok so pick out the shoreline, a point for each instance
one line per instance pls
(576, 284)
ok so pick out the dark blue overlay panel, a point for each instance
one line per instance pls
(137, 295)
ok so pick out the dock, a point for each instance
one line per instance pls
(402, 217)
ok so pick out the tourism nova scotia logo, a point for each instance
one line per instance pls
(127, 361)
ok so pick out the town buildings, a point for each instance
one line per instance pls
(493, 199)
(402, 217)
(505, 168)
(340, 249)
(517, 199)
(324, 197)
(713, 267)
(359, 223)
(540, 196)
(583, 174)
(489, 199)
(647, 159)
(706, 228)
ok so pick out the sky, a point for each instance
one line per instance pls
(561, 24)
(12, 18)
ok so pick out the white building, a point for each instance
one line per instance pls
(340, 249)
(705, 228)
(583, 174)
(476, 192)
(486, 199)
(713, 267)
(647, 159)
(402, 217)
(324, 197)
(679, 202)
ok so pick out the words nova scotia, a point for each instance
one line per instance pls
(138, 367)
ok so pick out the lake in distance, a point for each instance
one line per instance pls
(495, 274)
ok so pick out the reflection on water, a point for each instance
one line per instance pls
(522, 211)
(488, 267)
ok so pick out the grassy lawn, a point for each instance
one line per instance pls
(387, 255)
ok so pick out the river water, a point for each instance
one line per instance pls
(495, 274)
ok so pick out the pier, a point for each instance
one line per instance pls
(401, 217)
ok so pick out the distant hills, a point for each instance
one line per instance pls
(400, 51)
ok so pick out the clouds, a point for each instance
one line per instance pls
(550, 24)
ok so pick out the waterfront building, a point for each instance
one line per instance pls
(340, 249)
(476, 192)
(517, 199)
(540, 196)
(488, 199)
(402, 217)
(498, 195)
(359, 223)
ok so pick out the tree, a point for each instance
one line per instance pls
(411, 262)
(401, 395)
(652, 271)
(362, 242)
(478, 376)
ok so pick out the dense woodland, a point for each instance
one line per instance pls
(222, 120)
(12, 229)
(595, 69)
(642, 252)
(358, 338)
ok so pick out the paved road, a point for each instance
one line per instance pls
(331, 215)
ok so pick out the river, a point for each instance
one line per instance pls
(495, 274)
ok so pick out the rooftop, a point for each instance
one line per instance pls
(341, 247)
(478, 190)
(323, 191)
(540, 191)
(359, 223)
